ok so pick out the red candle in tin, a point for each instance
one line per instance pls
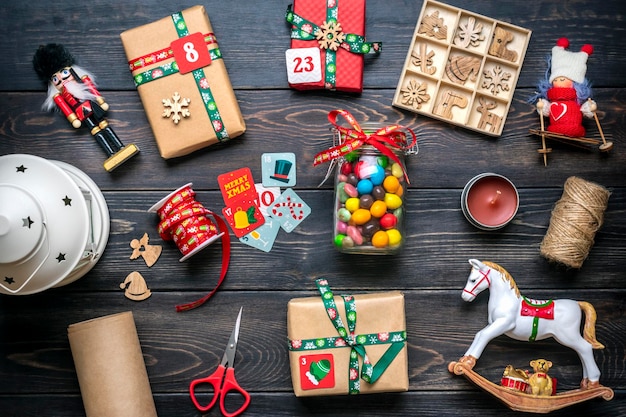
(490, 201)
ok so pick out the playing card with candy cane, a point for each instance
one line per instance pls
(289, 210)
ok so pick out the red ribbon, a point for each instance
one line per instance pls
(185, 221)
(392, 136)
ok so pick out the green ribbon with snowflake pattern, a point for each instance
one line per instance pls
(306, 30)
(369, 373)
(198, 75)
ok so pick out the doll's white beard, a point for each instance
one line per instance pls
(79, 90)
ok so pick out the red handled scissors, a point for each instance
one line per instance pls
(223, 379)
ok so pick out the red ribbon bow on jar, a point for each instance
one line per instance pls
(392, 136)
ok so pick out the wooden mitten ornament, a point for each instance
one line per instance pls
(149, 253)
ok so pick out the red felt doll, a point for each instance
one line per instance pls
(565, 96)
(72, 91)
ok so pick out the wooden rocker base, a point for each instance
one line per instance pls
(583, 141)
(519, 401)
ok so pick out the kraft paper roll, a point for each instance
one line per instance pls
(110, 367)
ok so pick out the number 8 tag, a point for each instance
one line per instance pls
(191, 52)
(303, 65)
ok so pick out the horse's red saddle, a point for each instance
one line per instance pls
(535, 308)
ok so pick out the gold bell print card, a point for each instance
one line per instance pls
(242, 201)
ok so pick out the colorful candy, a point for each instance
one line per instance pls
(369, 204)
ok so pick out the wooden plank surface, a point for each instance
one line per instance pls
(37, 374)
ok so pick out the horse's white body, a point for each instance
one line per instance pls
(505, 318)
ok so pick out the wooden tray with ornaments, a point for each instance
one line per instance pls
(462, 68)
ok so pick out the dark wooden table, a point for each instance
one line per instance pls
(37, 374)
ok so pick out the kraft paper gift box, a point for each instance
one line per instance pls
(342, 68)
(325, 363)
(182, 81)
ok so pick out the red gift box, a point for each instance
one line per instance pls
(348, 65)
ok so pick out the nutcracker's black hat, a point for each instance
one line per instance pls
(51, 58)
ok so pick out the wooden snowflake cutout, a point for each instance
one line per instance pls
(175, 107)
(469, 34)
(414, 94)
(423, 59)
(432, 25)
(496, 80)
(330, 36)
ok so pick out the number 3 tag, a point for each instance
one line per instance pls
(191, 53)
(303, 65)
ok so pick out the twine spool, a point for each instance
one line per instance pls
(185, 221)
(576, 218)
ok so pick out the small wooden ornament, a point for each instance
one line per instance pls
(469, 33)
(496, 80)
(423, 59)
(330, 35)
(414, 94)
(432, 25)
(459, 68)
(498, 48)
(176, 107)
(135, 287)
(150, 253)
(447, 100)
(488, 118)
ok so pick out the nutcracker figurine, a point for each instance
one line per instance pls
(71, 89)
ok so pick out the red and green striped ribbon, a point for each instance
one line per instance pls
(167, 53)
(369, 373)
(305, 30)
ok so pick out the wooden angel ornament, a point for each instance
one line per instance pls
(141, 248)
(525, 319)
(564, 97)
(72, 91)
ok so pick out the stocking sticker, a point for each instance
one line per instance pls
(317, 371)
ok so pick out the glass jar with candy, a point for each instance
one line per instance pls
(370, 187)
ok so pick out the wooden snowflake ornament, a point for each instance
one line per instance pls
(414, 94)
(330, 35)
(176, 107)
(496, 80)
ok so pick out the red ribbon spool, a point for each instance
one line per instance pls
(184, 220)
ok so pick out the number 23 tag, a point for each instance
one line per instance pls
(303, 65)
(191, 53)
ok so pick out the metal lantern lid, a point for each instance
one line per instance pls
(54, 224)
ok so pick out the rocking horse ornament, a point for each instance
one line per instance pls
(525, 319)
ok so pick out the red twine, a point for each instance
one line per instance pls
(382, 139)
(185, 221)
